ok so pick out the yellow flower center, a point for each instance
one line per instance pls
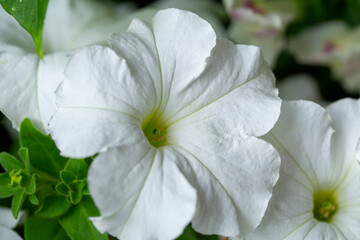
(154, 130)
(325, 206)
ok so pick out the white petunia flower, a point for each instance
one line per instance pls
(30, 82)
(317, 195)
(331, 44)
(174, 114)
(7, 223)
(261, 23)
(318, 44)
(345, 65)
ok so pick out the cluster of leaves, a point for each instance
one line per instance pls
(51, 188)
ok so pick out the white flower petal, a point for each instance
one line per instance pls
(85, 130)
(290, 208)
(49, 75)
(344, 115)
(184, 41)
(348, 196)
(233, 178)
(7, 219)
(357, 153)
(104, 102)
(152, 193)
(65, 30)
(211, 11)
(173, 54)
(321, 230)
(228, 96)
(8, 234)
(18, 76)
(14, 39)
(137, 45)
(305, 136)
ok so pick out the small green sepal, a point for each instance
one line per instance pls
(67, 176)
(34, 200)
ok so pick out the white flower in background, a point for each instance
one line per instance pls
(345, 65)
(30, 82)
(300, 87)
(331, 44)
(318, 44)
(317, 195)
(174, 114)
(261, 23)
(7, 223)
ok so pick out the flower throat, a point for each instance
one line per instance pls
(325, 206)
(154, 130)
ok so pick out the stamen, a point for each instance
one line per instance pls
(324, 206)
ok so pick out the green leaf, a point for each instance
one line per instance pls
(5, 190)
(9, 162)
(67, 177)
(17, 202)
(78, 166)
(53, 206)
(34, 200)
(24, 154)
(188, 234)
(38, 228)
(31, 188)
(44, 155)
(30, 14)
(61, 188)
(76, 222)
(75, 197)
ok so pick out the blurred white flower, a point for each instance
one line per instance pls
(7, 223)
(30, 82)
(345, 65)
(174, 113)
(331, 44)
(317, 195)
(261, 23)
(316, 45)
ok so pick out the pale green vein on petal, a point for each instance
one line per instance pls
(294, 160)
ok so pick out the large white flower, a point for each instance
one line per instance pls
(175, 114)
(317, 195)
(7, 223)
(30, 82)
(261, 23)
